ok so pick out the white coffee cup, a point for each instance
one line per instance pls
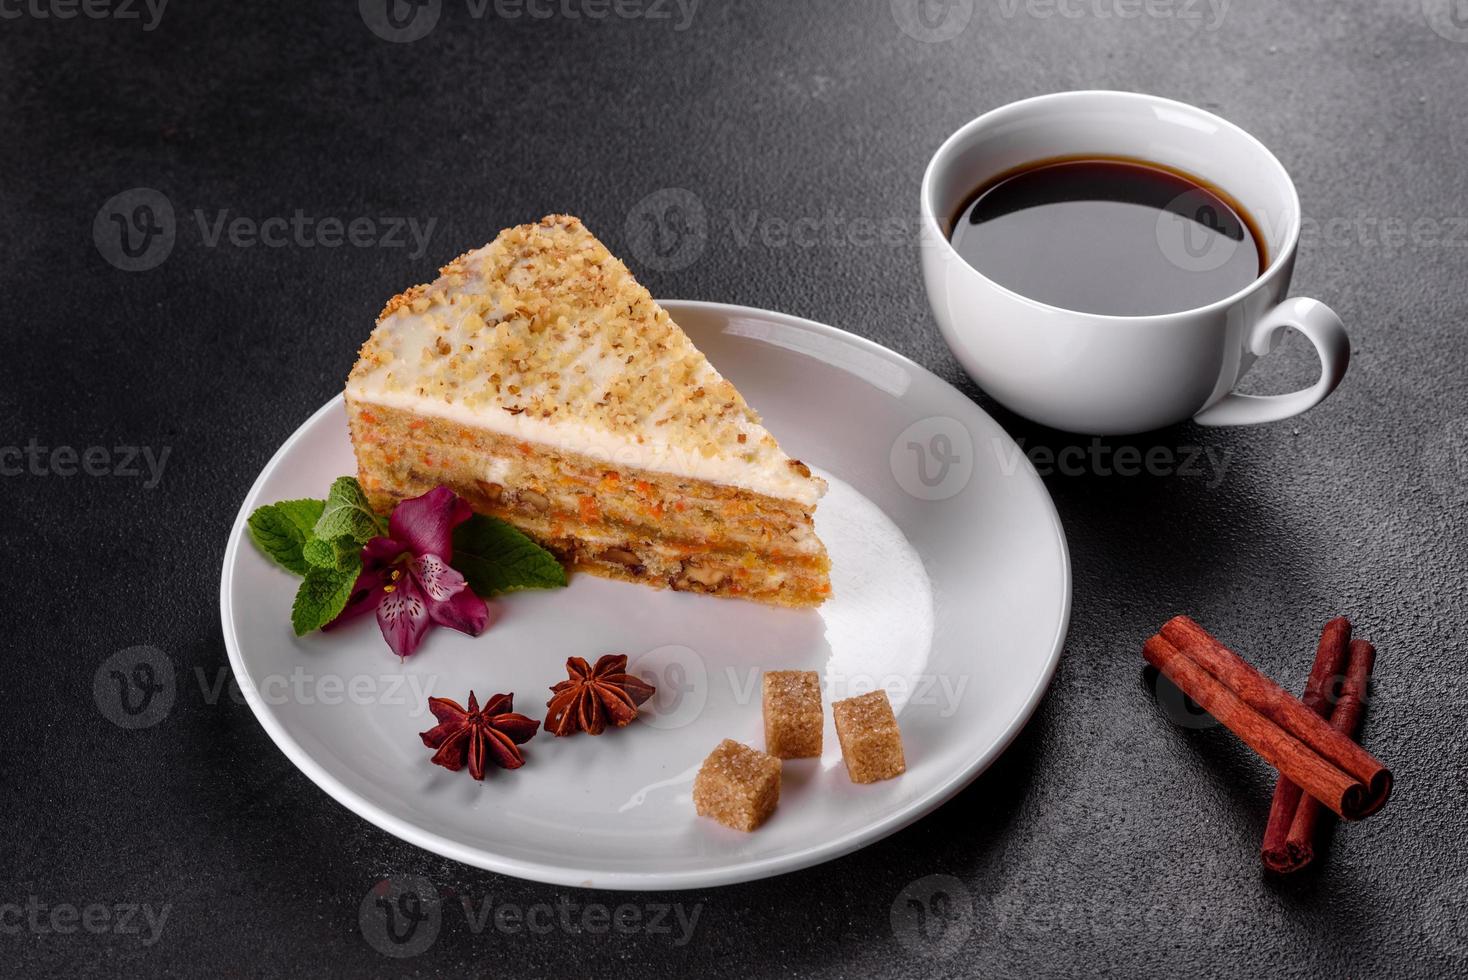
(1110, 375)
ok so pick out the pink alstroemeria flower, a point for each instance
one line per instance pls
(406, 577)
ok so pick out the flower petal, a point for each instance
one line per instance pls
(377, 555)
(403, 616)
(465, 612)
(366, 594)
(381, 552)
(425, 525)
(437, 580)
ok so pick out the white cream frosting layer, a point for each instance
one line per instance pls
(780, 482)
(544, 336)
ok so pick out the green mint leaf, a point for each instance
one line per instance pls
(319, 552)
(495, 557)
(282, 530)
(337, 554)
(348, 513)
(322, 595)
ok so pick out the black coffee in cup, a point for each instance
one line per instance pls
(1109, 235)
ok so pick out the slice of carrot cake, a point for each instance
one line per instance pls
(538, 380)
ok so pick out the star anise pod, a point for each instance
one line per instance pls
(494, 732)
(593, 696)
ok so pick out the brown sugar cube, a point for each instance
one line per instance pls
(738, 786)
(793, 717)
(871, 742)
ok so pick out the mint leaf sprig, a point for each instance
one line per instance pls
(496, 557)
(322, 541)
(347, 514)
(282, 530)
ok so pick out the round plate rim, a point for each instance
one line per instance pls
(655, 880)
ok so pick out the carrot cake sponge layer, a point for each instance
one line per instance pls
(541, 382)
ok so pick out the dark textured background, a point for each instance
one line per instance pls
(1108, 837)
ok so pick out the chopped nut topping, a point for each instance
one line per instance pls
(545, 321)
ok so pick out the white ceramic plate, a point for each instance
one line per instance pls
(952, 591)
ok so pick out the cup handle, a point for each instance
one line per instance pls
(1316, 321)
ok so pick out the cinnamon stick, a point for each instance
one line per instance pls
(1287, 714)
(1275, 745)
(1330, 663)
(1349, 711)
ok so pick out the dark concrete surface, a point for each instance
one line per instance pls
(1108, 839)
